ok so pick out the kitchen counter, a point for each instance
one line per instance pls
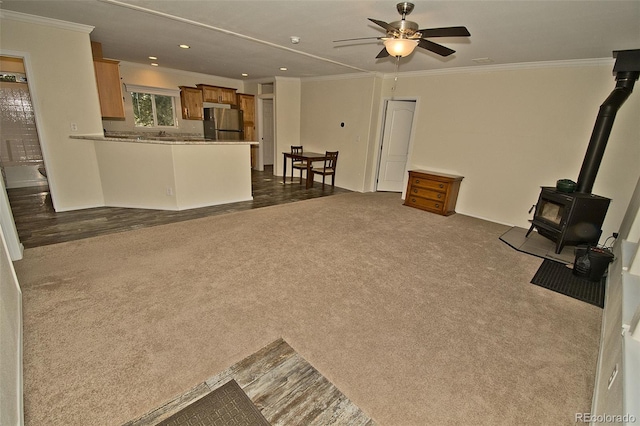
(171, 172)
(166, 140)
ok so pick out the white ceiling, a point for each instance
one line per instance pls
(228, 38)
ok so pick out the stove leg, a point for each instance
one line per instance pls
(559, 246)
(529, 231)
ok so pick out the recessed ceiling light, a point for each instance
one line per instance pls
(244, 74)
(153, 64)
(153, 58)
(185, 46)
(283, 68)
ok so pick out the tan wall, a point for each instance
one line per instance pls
(173, 177)
(287, 117)
(510, 131)
(325, 107)
(59, 69)
(507, 131)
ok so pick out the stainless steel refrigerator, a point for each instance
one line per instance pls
(223, 124)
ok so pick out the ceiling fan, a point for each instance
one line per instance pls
(403, 36)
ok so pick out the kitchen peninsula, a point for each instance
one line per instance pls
(171, 172)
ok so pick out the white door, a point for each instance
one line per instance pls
(395, 145)
(267, 132)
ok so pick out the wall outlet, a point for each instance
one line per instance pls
(74, 127)
(612, 377)
(169, 191)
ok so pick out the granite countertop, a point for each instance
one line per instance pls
(162, 140)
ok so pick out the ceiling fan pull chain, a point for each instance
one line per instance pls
(395, 78)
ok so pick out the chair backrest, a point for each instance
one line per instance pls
(331, 159)
(296, 149)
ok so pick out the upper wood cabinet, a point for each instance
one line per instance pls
(191, 100)
(247, 104)
(219, 95)
(109, 88)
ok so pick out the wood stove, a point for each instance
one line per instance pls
(576, 217)
(569, 218)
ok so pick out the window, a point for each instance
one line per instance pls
(153, 106)
(151, 110)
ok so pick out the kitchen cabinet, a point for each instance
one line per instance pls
(219, 95)
(109, 88)
(247, 104)
(433, 192)
(191, 101)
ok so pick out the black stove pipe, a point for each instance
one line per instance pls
(627, 70)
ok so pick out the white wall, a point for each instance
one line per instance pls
(618, 352)
(59, 68)
(11, 388)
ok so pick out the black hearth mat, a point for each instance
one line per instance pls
(557, 277)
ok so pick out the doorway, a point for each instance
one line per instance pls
(21, 157)
(266, 133)
(394, 152)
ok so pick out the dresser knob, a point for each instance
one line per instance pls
(415, 190)
(417, 180)
(437, 205)
(441, 186)
(439, 195)
(413, 200)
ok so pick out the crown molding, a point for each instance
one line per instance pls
(39, 20)
(350, 76)
(508, 67)
(469, 70)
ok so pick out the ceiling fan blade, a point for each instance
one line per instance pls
(435, 48)
(383, 54)
(445, 32)
(360, 38)
(384, 25)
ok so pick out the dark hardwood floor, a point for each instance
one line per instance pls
(38, 224)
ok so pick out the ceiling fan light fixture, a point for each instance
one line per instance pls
(400, 46)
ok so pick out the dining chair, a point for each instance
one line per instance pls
(297, 164)
(329, 168)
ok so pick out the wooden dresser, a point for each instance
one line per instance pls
(433, 192)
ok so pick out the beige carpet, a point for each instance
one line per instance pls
(419, 319)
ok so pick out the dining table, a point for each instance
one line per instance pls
(308, 158)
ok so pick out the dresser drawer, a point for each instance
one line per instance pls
(416, 191)
(425, 204)
(424, 182)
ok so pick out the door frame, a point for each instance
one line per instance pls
(13, 241)
(260, 117)
(383, 116)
